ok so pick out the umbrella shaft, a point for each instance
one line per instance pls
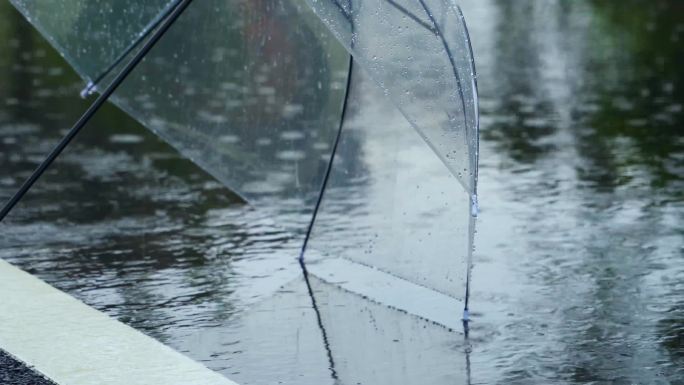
(85, 118)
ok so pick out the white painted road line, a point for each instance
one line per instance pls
(74, 344)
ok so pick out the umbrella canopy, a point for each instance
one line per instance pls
(262, 95)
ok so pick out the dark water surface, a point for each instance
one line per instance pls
(579, 264)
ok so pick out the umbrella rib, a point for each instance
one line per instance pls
(412, 16)
(397, 6)
(90, 112)
(328, 169)
(344, 11)
(90, 87)
(449, 55)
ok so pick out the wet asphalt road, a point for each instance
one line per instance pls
(14, 372)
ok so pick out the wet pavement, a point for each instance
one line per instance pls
(14, 372)
(579, 263)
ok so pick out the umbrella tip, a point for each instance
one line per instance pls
(474, 206)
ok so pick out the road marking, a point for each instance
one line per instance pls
(74, 344)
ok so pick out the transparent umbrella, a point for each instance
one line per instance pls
(371, 162)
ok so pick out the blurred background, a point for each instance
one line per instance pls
(579, 260)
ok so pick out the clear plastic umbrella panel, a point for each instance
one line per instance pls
(371, 162)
